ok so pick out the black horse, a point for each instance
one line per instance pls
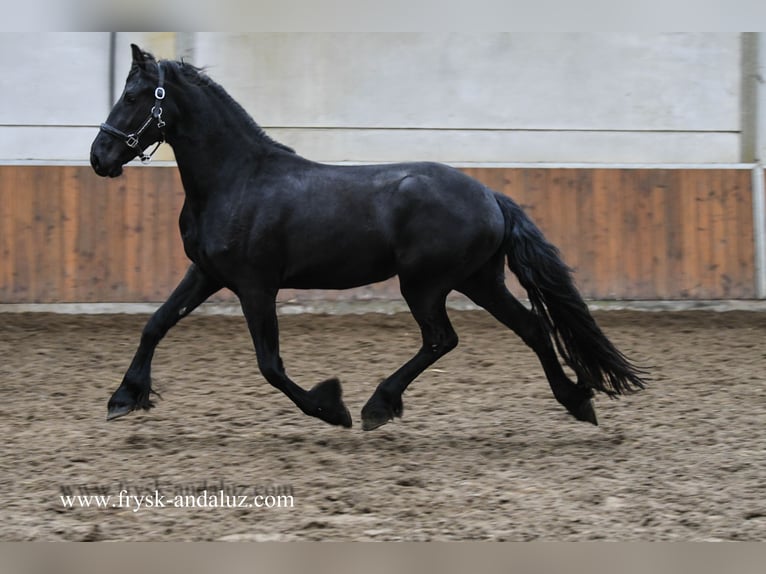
(258, 217)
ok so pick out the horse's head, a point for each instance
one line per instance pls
(135, 121)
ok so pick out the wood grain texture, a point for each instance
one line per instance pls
(69, 236)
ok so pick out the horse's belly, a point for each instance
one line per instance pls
(337, 273)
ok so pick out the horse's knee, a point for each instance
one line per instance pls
(452, 341)
(444, 344)
(152, 332)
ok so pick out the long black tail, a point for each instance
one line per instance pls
(554, 297)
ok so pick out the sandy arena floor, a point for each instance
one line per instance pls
(483, 450)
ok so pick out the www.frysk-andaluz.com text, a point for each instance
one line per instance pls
(217, 495)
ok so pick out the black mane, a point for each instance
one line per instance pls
(197, 76)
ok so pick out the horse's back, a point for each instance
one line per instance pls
(342, 226)
(379, 195)
(408, 188)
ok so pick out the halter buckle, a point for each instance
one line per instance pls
(132, 141)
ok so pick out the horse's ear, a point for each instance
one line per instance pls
(140, 58)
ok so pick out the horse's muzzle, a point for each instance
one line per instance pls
(103, 170)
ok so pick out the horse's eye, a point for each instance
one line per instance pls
(130, 98)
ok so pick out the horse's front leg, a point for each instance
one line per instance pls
(324, 400)
(136, 387)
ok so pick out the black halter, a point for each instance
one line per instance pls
(131, 139)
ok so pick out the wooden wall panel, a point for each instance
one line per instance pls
(644, 233)
(69, 236)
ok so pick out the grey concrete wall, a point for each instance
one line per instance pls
(459, 98)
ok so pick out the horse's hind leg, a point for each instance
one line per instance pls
(490, 292)
(324, 400)
(428, 309)
(136, 387)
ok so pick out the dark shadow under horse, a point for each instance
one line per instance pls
(257, 217)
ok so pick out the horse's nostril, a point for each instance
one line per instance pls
(94, 161)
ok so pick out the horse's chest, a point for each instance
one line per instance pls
(190, 235)
(205, 245)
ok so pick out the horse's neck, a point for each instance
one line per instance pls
(204, 147)
(212, 140)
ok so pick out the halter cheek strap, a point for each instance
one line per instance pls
(132, 139)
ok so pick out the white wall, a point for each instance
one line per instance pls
(460, 98)
(54, 91)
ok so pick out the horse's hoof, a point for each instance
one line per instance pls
(370, 422)
(344, 418)
(585, 412)
(378, 412)
(118, 411)
(339, 416)
(127, 399)
(329, 403)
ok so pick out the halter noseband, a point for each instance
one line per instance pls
(131, 139)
